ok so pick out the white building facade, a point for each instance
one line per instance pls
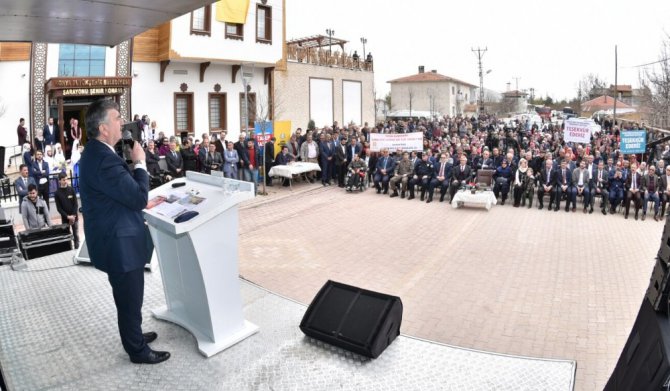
(188, 75)
(431, 92)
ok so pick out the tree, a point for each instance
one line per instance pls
(389, 103)
(410, 95)
(590, 86)
(658, 84)
(267, 108)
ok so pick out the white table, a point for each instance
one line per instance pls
(293, 168)
(485, 198)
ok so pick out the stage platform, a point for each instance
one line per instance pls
(58, 332)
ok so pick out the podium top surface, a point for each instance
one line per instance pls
(206, 194)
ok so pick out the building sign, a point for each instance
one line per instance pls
(394, 141)
(92, 91)
(89, 82)
(633, 141)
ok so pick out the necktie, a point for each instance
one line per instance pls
(462, 168)
(564, 177)
(441, 170)
(600, 176)
(634, 183)
(548, 176)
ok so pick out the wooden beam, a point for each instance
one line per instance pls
(164, 65)
(236, 68)
(203, 68)
(267, 74)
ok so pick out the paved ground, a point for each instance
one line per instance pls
(516, 281)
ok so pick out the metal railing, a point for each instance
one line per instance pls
(8, 189)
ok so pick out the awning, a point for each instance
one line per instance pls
(102, 22)
(232, 11)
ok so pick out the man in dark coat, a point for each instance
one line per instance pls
(112, 199)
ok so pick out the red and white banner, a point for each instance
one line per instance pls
(394, 141)
(577, 131)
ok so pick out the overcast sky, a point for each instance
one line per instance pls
(547, 48)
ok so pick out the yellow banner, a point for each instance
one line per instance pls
(232, 11)
(282, 133)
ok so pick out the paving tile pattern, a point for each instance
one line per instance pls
(512, 280)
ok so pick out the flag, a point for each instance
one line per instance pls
(232, 11)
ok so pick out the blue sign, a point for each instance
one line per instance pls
(633, 141)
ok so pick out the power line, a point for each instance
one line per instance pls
(649, 63)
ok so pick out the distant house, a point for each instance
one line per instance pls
(515, 101)
(431, 92)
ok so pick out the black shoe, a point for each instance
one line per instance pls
(442, 198)
(502, 202)
(386, 191)
(540, 207)
(635, 216)
(379, 191)
(422, 197)
(625, 216)
(604, 211)
(429, 200)
(395, 194)
(411, 197)
(154, 357)
(150, 337)
(269, 184)
(644, 216)
(402, 194)
(590, 210)
(556, 209)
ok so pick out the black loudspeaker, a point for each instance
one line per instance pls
(658, 290)
(353, 319)
(36, 243)
(644, 363)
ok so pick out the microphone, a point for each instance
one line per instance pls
(127, 138)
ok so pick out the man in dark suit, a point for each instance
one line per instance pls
(353, 148)
(269, 151)
(634, 187)
(600, 186)
(49, 132)
(341, 161)
(40, 172)
(441, 176)
(112, 198)
(326, 152)
(563, 185)
(22, 183)
(174, 161)
(547, 182)
(384, 170)
(459, 175)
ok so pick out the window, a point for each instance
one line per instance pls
(234, 31)
(217, 112)
(183, 113)
(263, 24)
(200, 21)
(81, 60)
(251, 111)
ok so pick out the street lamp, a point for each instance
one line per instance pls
(330, 33)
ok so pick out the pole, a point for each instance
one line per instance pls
(615, 86)
(480, 54)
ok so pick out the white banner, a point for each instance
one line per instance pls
(577, 131)
(394, 141)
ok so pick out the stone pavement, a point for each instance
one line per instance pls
(512, 280)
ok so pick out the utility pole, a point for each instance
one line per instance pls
(616, 68)
(517, 83)
(480, 53)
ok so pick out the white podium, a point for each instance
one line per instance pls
(199, 261)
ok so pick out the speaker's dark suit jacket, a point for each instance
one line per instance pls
(112, 199)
